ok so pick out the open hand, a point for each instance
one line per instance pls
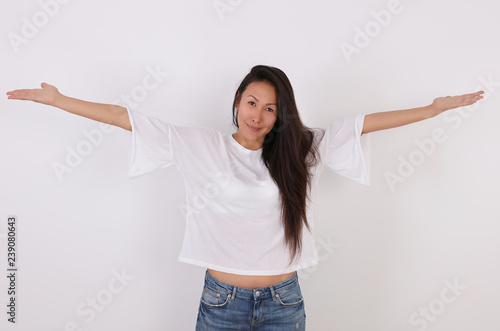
(442, 104)
(47, 95)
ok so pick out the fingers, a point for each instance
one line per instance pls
(27, 94)
(478, 94)
(469, 99)
(20, 94)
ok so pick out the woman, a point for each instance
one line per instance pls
(247, 218)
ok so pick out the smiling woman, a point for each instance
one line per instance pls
(256, 110)
(248, 220)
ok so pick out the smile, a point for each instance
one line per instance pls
(253, 128)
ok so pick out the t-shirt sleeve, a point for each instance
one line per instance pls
(151, 144)
(346, 151)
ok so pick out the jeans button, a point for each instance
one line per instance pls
(257, 293)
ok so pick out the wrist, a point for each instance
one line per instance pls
(431, 111)
(59, 100)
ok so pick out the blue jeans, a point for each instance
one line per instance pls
(279, 307)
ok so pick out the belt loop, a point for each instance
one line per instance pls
(273, 294)
(233, 296)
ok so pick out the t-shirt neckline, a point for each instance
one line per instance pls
(241, 147)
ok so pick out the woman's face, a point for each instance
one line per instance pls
(257, 114)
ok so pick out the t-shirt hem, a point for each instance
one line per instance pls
(246, 272)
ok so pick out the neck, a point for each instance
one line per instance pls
(248, 144)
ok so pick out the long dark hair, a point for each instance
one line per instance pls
(288, 152)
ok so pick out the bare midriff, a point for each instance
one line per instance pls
(251, 282)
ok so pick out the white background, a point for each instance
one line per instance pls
(391, 248)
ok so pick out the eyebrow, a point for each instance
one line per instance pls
(258, 100)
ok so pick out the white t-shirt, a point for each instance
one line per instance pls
(233, 207)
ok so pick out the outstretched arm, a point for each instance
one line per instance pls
(391, 119)
(49, 95)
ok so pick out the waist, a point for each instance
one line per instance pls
(249, 282)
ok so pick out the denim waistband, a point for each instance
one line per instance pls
(257, 293)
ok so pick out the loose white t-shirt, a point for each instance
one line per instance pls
(233, 214)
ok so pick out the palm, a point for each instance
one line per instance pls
(46, 95)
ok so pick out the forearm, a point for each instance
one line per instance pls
(391, 119)
(106, 113)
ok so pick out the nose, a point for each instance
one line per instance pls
(257, 115)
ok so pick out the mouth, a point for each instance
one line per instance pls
(253, 128)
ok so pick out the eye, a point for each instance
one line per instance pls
(270, 109)
(251, 103)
